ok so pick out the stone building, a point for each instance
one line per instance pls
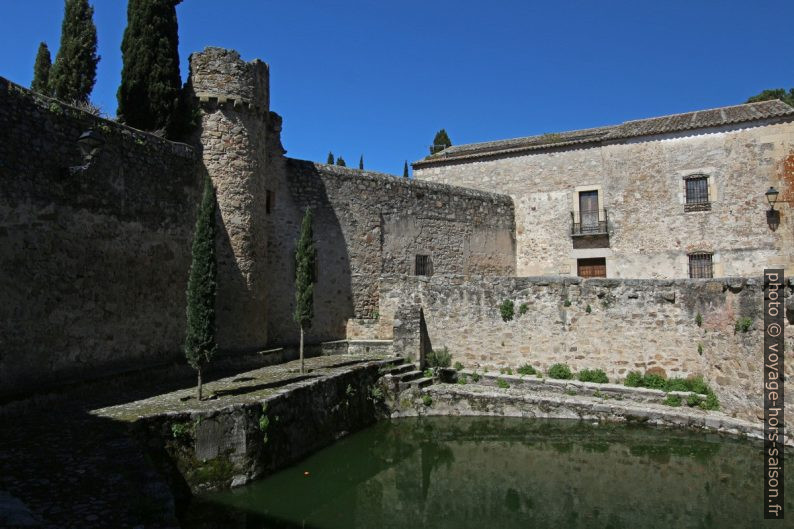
(667, 197)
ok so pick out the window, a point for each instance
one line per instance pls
(700, 265)
(593, 267)
(424, 267)
(697, 193)
(270, 198)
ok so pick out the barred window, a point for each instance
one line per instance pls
(697, 193)
(700, 265)
(424, 267)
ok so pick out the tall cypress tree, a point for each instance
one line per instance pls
(440, 142)
(405, 169)
(41, 70)
(340, 161)
(361, 162)
(200, 339)
(150, 82)
(330, 160)
(305, 257)
(74, 72)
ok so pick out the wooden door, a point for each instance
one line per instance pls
(594, 267)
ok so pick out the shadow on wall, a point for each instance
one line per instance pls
(300, 187)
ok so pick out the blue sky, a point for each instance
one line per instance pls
(380, 78)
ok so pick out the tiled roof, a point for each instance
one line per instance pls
(699, 119)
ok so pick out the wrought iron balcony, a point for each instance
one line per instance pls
(589, 222)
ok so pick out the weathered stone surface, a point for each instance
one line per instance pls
(619, 334)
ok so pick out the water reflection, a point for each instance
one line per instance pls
(505, 473)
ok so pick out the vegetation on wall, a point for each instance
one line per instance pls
(41, 70)
(560, 371)
(507, 310)
(593, 375)
(305, 256)
(200, 343)
(439, 358)
(74, 73)
(148, 97)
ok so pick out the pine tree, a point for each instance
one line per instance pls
(776, 93)
(361, 162)
(200, 339)
(150, 82)
(41, 70)
(340, 162)
(330, 160)
(305, 257)
(440, 142)
(74, 72)
(405, 169)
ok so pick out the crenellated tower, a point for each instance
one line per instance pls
(233, 97)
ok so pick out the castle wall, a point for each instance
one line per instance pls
(94, 263)
(631, 325)
(367, 224)
(640, 183)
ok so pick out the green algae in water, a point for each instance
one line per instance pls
(479, 472)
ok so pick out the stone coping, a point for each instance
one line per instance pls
(476, 400)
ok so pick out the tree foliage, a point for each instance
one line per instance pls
(405, 169)
(440, 142)
(330, 160)
(361, 162)
(305, 256)
(201, 288)
(340, 161)
(148, 96)
(777, 93)
(74, 73)
(41, 70)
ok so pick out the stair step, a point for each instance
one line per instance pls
(410, 375)
(423, 382)
(399, 370)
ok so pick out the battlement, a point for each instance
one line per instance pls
(219, 77)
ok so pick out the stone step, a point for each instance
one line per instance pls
(400, 369)
(410, 375)
(422, 382)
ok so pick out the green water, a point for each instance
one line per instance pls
(458, 473)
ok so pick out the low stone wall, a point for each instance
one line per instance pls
(616, 325)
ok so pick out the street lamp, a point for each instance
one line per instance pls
(771, 197)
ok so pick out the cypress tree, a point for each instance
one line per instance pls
(305, 257)
(340, 162)
(405, 169)
(440, 142)
(150, 82)
(74, 72)
(330, 160)
(361, 162)
(41, 70)
(200, 339)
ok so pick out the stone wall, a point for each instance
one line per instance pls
(95, 259)
(617, 325)
(367, 224)
(640, 183)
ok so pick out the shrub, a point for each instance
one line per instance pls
(458, 366)
(507, 309)
(440, 358)
(428, 373)
(523, 309)
(427, 400)
(633, 379)
(672, 400)
(593, 375)
(560, 371)
(743, 324)
(588, 309)
(508, 371)
(654, 381)
(700, 349)
(567, 303)
(698, 320)
(475, 377)
(526, 369)
(692, 400)
(711, 402)
(462, 379)
(502, 384)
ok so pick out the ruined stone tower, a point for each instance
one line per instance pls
(233, 96)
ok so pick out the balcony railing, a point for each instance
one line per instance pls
(589, 222)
